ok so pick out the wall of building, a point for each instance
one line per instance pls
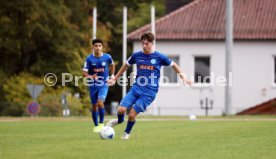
(251, 81)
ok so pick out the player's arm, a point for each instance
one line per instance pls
(112, 69)
(85, 74)
(111, 66)
(85, 71)
(125, 66)
(119, 73)
(178, 70)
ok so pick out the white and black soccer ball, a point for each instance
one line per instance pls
(107, 133)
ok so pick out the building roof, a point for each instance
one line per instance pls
(268, 107)
(205, 20)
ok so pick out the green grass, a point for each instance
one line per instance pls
(73, 138)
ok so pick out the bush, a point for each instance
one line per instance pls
(17, 97)
(11, 109)
(75, 105)
(16, 93)
(50, 105)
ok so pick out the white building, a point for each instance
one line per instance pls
(194, 37)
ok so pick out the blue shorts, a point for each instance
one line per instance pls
(98, 93)
(139, 102)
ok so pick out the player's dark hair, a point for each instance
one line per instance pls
(147, 36)
(97, 41)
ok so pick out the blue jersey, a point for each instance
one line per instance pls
(148, 71)
(98, 65)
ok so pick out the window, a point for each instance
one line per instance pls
(202, 69)
(169, 74)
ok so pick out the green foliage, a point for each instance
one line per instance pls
(2, 80)
(39, 37)
(10, 109)
(50, 102)
(17, 97)
(51, 105)
(16, 92)
(42, 36)
(141, 15)
(75, 106)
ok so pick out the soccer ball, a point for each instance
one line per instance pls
(192, 117)
(107, 132)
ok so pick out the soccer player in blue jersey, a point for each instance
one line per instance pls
(145, 88)
(96, 68)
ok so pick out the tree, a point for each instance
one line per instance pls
(42, 36)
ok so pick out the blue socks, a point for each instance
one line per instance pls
(101, 113)
(95, 117)
(121, 117)
(129, 126)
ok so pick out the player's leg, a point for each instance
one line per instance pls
(101, 98)
(95, 114)
(101, 112)
(130, 123)
(125, 103)
(121, 113)
(120, 117)
(94, 110)
(140, 105)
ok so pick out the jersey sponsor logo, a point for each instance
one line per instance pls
(153, 61)
(146, 67)
(94, 64)
(98, 69)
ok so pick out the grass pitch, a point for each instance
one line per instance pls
(152, 138)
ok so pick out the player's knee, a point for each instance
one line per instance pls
(132, 115)
(94, 107)
(100, 104)
(121, 110)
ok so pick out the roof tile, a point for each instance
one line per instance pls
(205, 19)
